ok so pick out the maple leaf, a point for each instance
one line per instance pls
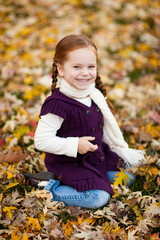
(121, 178)
(132, 234)
(12, 156)
(138, 213)
(33, 223)
(9, 210)
(106, 227)
(154, 171)
(154, 209)
(15, 198)
(11, 171)
(67, 228)
(131, 81)
(14, 235)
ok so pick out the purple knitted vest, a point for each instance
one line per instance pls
(87, 171)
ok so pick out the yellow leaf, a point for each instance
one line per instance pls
(25, 31)
(138, 213)
(43, 156)
(153, 171)
(26, 56)
(1, 196)
(154, 62)
(67, 228)
(106, 227)
(38, 89)
(20, 131)
(144, 47)
(81, 220)
(25, 237)
(116, 194)
(117, 229)
(10, 175)
(91, 221)
(14, 235)
(28, 80)
(22, 111)
(28, 95)
(10, 185)
(49, 40)
(121, 178)
(9, 210)
(33, 223)
(10, 172)
(153, 130)
(126, 51)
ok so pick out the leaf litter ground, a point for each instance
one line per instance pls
(127, 36)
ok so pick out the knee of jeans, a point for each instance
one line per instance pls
(131, 180)
(100, 198)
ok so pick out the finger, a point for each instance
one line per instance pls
(89, 138)
(93, 148)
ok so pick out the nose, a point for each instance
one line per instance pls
(84, 71)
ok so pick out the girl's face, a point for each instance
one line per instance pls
(80, 68)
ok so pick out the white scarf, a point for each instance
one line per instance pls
(112, 134)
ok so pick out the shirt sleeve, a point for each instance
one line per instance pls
(46, 140)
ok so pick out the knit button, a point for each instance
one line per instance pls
(88, 112)
(102, 159)
(97, 109)
(92, 130)
(101, 125)
(76, 164)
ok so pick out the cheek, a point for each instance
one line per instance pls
(94, 73)
(73, 73)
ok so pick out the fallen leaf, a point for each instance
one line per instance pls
(67, 228)
(12, 156)
(25, 237)
(9, 210)
(121, 178)
(10, 185)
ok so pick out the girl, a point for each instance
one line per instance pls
(83, 143)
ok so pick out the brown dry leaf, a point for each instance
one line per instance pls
(132, 234)
(74, 211)
(13, 199)
(154, 209)
(13, 156)
(130, 53)
(144, 137)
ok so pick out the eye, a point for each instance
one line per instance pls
(92, 66)
(76, 67)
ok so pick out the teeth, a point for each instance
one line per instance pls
(83, 80)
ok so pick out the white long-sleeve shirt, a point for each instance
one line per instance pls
(46, 139)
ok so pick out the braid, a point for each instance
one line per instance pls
(54, 76)
(99, 85)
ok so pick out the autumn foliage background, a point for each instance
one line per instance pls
(127, 36)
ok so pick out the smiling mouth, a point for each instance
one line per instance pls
(83, 80)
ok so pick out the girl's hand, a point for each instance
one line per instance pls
(84, 145)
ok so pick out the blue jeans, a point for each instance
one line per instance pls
(89, 199)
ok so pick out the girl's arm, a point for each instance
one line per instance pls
(46, 140)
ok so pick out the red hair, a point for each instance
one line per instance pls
(66, 45)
